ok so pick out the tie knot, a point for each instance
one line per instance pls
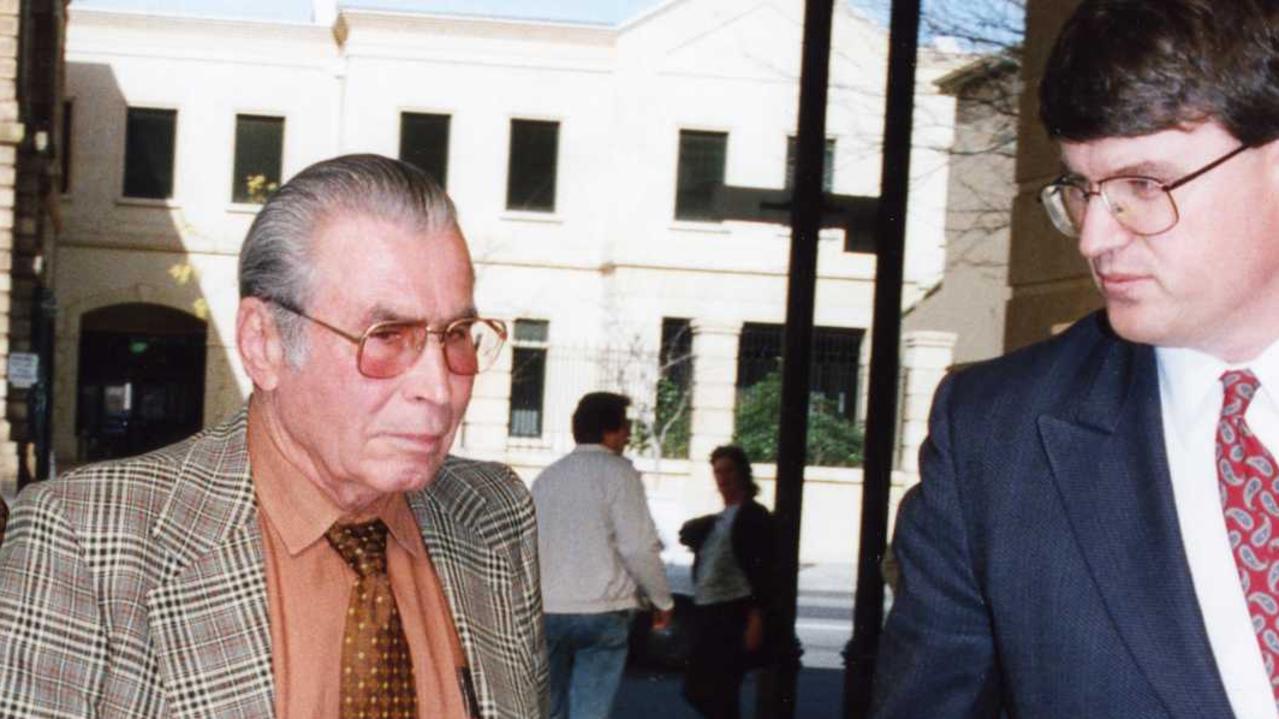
(363, 546)
(1240, 386)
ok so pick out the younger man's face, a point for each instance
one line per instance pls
(1211, 282)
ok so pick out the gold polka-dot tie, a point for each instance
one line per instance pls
(377, 670)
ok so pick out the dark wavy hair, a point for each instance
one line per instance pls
(1124, 68)
(743, 463)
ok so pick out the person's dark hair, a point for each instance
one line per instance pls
(1124, 68)
(275, 258)
(738, 457)
(597, 413)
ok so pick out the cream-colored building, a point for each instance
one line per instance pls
(580, 158)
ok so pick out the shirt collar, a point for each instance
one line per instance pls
(300, 511)
(1190, 383)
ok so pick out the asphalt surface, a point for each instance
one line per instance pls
(824, 626)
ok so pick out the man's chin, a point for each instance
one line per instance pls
(401, 477)
(1132, 323)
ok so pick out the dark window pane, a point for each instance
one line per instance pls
(148, 152)
(64, 148)
(701, 171)
(673, 408)
(677, 351)
(833, 373)
(530, 183)
(259, 149)
(828, 166)
(759, 353)
(424, 141)
(834, 438)
(528, 379)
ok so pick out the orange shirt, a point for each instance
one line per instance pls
(308, 587)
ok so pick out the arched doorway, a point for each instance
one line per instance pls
(141, 379)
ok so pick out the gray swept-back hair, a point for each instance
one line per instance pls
(275, 260)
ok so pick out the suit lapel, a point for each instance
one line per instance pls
(1109, 463)
(477, 582)
(208, 615)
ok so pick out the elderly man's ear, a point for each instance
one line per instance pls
(258, 339)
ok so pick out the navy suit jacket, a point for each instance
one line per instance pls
(1042, 567)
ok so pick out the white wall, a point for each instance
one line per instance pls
(604, 268)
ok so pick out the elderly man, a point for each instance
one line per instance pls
(1094, 534)
(320, 554)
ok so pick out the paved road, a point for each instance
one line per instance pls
(824, 626)
(645, 696)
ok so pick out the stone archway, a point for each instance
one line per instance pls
(140, 379)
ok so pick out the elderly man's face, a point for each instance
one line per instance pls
(367, 437)
(1211, 282)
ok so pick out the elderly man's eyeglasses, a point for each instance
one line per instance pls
(1143, 205)
(387, 349)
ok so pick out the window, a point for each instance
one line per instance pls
(528, 378)
(700, 172)
(828, 164)
(674, 407)
(424, 141)
(149, 138)
(259, 151)
(530, 178)
(64, 149)
(834, 437)
(832, 375)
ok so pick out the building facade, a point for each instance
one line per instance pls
(584, 161)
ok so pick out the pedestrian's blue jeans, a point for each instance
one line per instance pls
(587, 656)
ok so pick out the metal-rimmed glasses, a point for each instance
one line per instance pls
(388, 349)
(1143, 205)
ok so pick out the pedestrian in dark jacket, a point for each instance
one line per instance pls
(733, 623)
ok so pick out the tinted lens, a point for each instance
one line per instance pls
(1140, 204)
(390, 348)
(472, 346)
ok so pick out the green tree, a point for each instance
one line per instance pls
(833, 440)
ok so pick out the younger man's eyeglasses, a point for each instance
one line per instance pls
(388, 349)
(1143, 205)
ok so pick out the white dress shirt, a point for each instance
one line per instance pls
(1191, 393)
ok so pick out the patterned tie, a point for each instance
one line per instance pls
(377, 670)
(1250, 498)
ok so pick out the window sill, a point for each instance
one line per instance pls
(162, 203)
(243, 208)
(708, 227)
(530, 444)
(826, 234)
(551, 218)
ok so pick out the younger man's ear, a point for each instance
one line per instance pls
(258, 340)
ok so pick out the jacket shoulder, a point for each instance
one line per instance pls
(1040, 374)
(129, 495)
(492, 480)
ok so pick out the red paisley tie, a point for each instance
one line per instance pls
(1250, 499)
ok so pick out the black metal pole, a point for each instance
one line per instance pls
(881, 420)
(777, 689)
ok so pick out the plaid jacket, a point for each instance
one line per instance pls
(136, 588)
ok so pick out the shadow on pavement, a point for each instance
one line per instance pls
(646, 694)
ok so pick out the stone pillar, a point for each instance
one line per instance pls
(11, 133)
(714, 387)
(926, 356)
(484, 431)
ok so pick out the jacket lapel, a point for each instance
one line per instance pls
(1109, 463)
(208, 614)
(476, 579)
